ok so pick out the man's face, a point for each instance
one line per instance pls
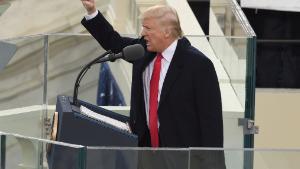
(154, 35)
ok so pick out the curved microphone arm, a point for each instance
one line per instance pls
(82, 73)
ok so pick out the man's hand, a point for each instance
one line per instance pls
(89, 6)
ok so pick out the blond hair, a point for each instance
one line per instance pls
(166, 16)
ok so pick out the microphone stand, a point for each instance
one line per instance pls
(82, 73)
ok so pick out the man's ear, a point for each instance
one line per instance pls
(168, 33)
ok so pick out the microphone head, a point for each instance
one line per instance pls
(133, 52)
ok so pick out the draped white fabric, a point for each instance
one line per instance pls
(280, 5)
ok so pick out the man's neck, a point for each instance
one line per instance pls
(168, 43)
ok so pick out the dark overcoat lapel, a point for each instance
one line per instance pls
(174, 70)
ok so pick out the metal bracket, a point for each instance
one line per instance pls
(248, 125)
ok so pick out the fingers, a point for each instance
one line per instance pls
(89, 5)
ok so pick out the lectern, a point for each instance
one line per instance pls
(73, 126)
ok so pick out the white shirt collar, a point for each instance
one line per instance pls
(169, 52)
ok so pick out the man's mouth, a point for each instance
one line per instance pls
(147, 43)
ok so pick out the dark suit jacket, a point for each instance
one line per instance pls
(190, 110)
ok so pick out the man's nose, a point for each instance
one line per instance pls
(143, 32)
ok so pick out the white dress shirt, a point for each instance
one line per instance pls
(165, 63)
(91, 16)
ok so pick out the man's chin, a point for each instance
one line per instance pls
(150, 49)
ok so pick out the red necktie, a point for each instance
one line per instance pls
(154, 83)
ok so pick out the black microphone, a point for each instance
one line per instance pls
(129, 53)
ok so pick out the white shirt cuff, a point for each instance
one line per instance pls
(91, 16)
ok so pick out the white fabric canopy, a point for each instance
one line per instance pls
(280, 5)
